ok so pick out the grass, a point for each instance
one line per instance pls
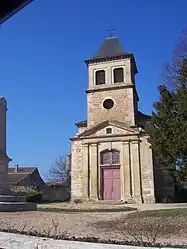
(86, 210)
(160, 213)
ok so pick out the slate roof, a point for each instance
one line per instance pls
(110, 48)
(14, 177)
(142, 120)
(81, 123)
(140, 116)
(22, 169)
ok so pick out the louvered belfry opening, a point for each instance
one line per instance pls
(100, 77)
(118, 75)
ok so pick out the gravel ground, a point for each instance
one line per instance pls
(102, 225)
(106, 205)
(86, 205)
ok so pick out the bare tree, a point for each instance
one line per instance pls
(60, 171)
(172, 70)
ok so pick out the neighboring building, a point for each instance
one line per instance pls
(25, 176)
(111, 156)
(10, 7)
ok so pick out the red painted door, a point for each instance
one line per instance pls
(111, 183)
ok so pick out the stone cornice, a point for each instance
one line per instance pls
(110, 58)
(113, 58)
(116, 138)
(108, 88)
(110, 136)
(128, 140)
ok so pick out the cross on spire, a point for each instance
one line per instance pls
(110, 30)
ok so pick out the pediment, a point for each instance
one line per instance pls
(117, 128)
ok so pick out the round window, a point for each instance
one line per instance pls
(108, 104)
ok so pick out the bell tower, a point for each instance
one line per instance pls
(111, 93)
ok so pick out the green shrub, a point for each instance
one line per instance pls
(31, 194)
(34, 197)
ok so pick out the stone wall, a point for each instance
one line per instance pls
(123, 109)
(121, 93)
(109, 67)
(56, 193)
(81, 130)
(136, 170)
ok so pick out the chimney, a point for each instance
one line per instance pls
(16, 168)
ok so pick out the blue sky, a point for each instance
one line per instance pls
(42, 70)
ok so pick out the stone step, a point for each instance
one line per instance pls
(9, 198)
(17, 206)
(108, 202)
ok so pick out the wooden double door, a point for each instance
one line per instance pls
(110, 183)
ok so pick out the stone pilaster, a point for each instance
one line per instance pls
(127, 175)
(93, 172)
(122, 169)
(76, 170)
(135, 163)
(147, 172)
(99, 173)
(85, 187)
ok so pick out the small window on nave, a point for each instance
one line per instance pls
(100, 77)
(118, 75)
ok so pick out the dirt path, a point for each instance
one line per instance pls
(90, 205)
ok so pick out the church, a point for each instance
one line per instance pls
(111, 157)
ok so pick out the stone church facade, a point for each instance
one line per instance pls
(111, 158)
